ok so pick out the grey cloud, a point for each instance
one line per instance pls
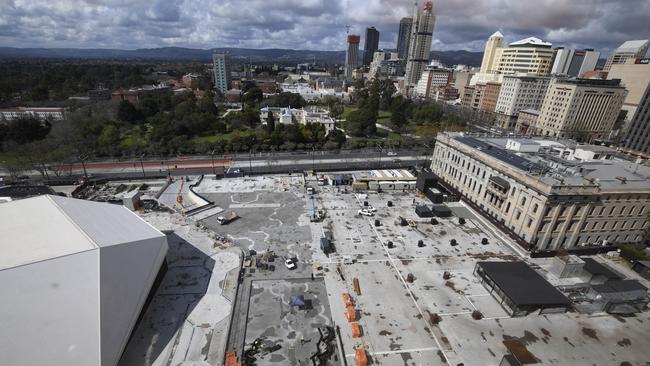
(312, 24)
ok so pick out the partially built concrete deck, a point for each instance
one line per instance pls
(394, 313)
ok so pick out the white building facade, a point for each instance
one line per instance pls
(74, 276)
(521, 92)
(580, 109)
(39, 113)
(572, 62)
(432, 78)
(492, 52)
(302, 116)
(528, 56)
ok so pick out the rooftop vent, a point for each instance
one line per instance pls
(621, 179)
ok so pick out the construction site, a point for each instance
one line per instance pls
(332, 273)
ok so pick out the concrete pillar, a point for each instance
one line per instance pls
(549, 233)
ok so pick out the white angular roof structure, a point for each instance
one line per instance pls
(496, 34)
(531, 41)
(74, 276)
(634, 46)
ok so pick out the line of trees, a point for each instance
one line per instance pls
(22, 131)
(422, 118)
(162, 123)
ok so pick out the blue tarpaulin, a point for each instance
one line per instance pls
(297, 300)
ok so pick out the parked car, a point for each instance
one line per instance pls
(391, 153)
(290, 264)
(366, 212)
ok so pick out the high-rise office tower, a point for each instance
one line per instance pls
(371, 45)
(221, 66)
(638, 136)
(380, 67)
(580, 109)
(351, 55)
(403, 37)
(433, 77)
(629, 49)
(572, 62)
(528, 56)
(420, 45)
(635, 75)
(519, 93)
(492, 52)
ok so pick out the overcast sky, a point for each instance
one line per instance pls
(313, 24)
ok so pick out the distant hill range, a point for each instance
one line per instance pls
(270, 55)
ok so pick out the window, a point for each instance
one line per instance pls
(523, 201)
(529, 223)
(517, 215)
(535, 207)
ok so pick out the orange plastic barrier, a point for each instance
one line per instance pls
(361, 357)
(347, 299)
(231, 359)
(356, 330)
(351, 314)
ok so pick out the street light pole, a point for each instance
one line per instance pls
(142, 165)
(214, 171)
(82, 158)
(380, 150)
(250, 163)
(313, 152)
(46, 174)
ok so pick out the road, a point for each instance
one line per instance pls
(260, 163)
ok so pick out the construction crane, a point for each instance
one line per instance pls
(314, 212)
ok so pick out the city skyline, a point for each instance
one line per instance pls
(312, 25)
